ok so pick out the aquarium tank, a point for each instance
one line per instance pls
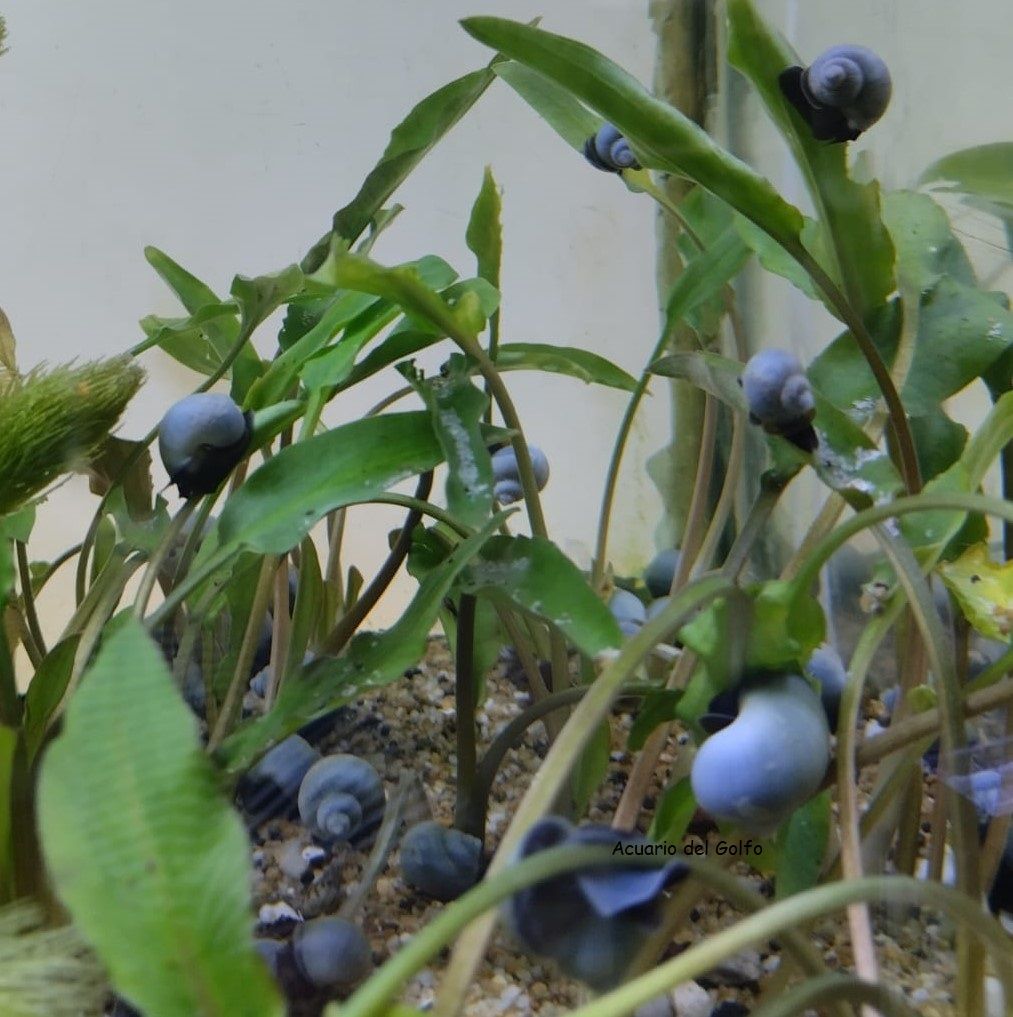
(506, 511)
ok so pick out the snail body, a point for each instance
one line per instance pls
(592, 922)
(200, 439)
(779, 396)
(439, 861)
(842, 93)
(506, 477)
(341, 799)
(609, 151)
(769, 760)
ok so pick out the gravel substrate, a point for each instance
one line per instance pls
(411, 726)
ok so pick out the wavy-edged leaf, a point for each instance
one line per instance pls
(662, 137)
(45, 692)
(410, 142)
(583, 365)
(455, 408)
(588, 774)
(142, 847)
(484, 234)
(984, 590)
(862, 253)
(674, 812)
(802, 843)
(282, 501)
(570, 119)
(372, 660)
(925, 244)
(8, 748)
(984, 170)
(309, 606)
(534, 576)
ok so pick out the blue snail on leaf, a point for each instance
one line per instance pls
(609, 151)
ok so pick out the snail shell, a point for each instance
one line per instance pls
(842, 93)
(441, 862)
(506, 477)
(341, 799)
(780, 397)
(661, 571)
(609, 151)
(627, 609)
(331, 953)
(760, 768)
(270, 787)
(826, 666)
(200, 439)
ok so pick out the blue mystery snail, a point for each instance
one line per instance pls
(780, 397)
(842, 93)
(826, 666)
(271, 786)
(627, 609)
(755, 771)
(331, 953)
(609, 151)
(200, 439)
(341, 799)
(593, 921)
(506, 477)
(439, 861)
(661, 571)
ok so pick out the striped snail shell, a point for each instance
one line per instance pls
(841, 94)
(609, 151)
(440, 861)
(341, 799)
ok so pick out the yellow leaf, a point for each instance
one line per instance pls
(984, 590)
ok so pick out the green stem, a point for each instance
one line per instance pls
(365, 603)
(467, 754)
(55, 564)
(28, 597)
(833, 988)
(241, 675)
(166, 544)
(796, 911)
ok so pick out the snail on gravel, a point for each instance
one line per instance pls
(627, 609)
(594, 921)
(608, 150)
(780, 397)
(440, 861)
(506, 477)
(270, 787)
(769, 760)
(843, 92)
(341, 800)
(200, 439)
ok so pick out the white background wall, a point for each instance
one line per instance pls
(227, 132)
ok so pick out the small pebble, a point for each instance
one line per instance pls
(691, 1000)
(277, 914)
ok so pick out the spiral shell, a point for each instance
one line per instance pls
(770, 760)
(200, 439)
(341, 799)
(271, 786)
(440, 862)
(842, 93)
(780, 397)
(331, 953)
(506, 477)
(609, 151)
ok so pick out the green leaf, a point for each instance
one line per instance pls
(673, 814)
(774, 258)
(717, 375)
(570, 119)
(588, 774)
(106, 468)
(575, 363)
(309, 606)
(533, 575)
(130, 812)
(46, 691)
(662, 137)
(802, 844)
(219, 329)
(410, 142)
(371, 661)
(260, 297)
(455, 409)
(8, 749)
(484, 235)
(657, 708)
(281, 502)
(187, 340)
(939, 442)
(18, 525)
(926, 248)
(983, 170)
(858, 245)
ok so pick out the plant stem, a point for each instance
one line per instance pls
(281, 625)
(241, 674)
(353, 618)
(166, 544)
(28, 596)
(832, 988)
(465, 705)
(725, 501)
